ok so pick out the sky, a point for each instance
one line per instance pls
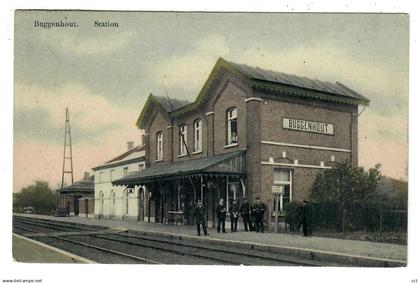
(104, 76)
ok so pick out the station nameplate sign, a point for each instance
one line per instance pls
(308, 126)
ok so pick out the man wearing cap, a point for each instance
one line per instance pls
(221, 216)
(234, 215)
(200, 218)
(259, 209)
(245, 212)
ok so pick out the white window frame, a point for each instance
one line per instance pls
(232, 114)
(159, 146)
(284, 183)
(198, 135)
(183, 131)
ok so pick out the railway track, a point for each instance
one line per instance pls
(106, 246)
(94, 250)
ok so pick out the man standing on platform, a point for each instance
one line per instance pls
(221, 216)
(259, 209)
(307, 219)
(200, 218)
(234, 215)
(68, 208)
(245, 212)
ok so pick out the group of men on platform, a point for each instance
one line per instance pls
(252, 215)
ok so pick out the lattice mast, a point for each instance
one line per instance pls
(67, 155)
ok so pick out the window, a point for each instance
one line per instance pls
(232, 126)
(101, 202)
(100, 176)
(197, 136)
(125, 202)
(125, 171)
(141, 167)
(112, 174)
(182, 139)
(159, 146)
(112, 212)
(283, 177)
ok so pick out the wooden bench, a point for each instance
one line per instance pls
(175, 217)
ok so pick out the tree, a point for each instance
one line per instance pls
(350, 191)
(38, 195)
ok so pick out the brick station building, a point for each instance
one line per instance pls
(248, 130)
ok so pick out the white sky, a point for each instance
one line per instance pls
(105, 75)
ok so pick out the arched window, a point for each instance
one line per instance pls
(198, 135)
(232, 126)
(159, 146)
(183, 139)
(112, 213)
(101, 203)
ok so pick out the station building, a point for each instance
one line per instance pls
(248, 131)
(120, 202)
(73, 194)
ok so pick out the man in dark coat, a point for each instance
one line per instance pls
(68, 208)
(234, 215)
(259, 209)
(200, 218)
(221, 216)
(245, 212)
(307, 219)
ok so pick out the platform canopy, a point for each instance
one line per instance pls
(85, 186)
(229, 164)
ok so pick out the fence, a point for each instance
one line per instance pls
(367, 222)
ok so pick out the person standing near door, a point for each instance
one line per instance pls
(200, 218)
(259, 209)
(221, 216)
(245, 211)
(68, 208)
(234, 215)
(307, 219)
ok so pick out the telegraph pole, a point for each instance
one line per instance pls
(67, 155)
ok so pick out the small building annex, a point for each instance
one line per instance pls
(120, 202)
(248, 130)
(71, 195)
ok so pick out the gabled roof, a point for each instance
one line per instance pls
(162, 103)
(135, 154)
(174, 104)
(261, 79)
(138, 148)
(186, 168)
(258, 74)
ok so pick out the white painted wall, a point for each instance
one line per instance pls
(117, 208)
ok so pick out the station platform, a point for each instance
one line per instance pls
(362, 253)
(29, 251)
